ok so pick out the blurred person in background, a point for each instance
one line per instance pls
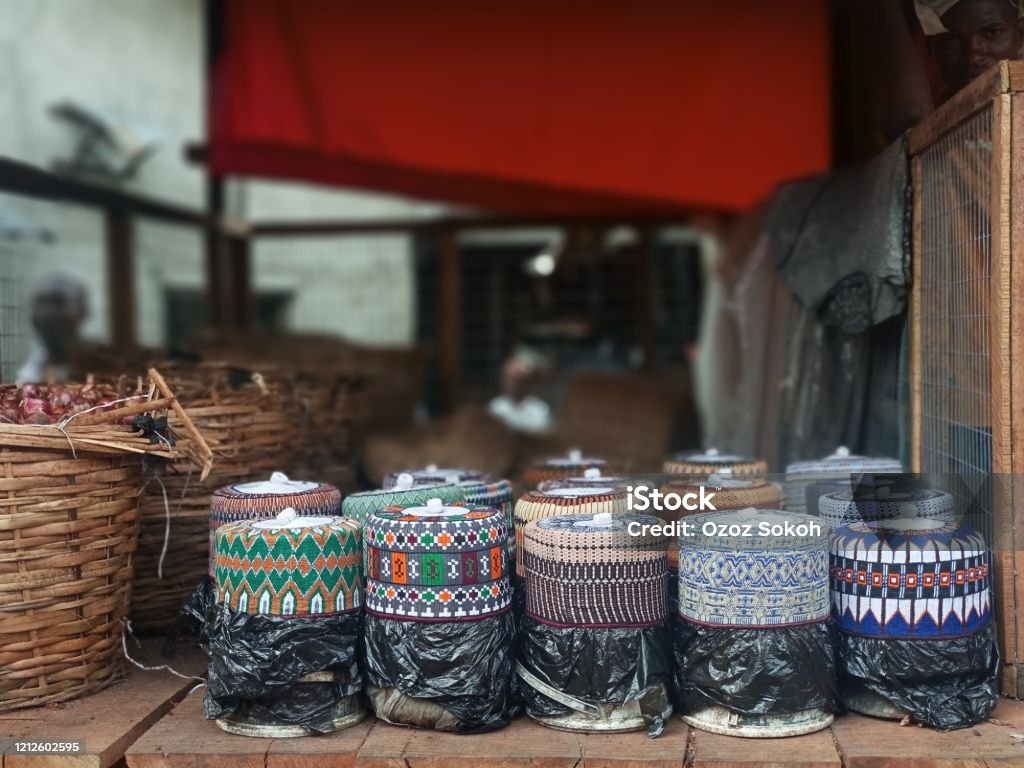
(515, 407)
(59, 307)
(968, 37)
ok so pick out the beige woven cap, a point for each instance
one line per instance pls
(930, 13)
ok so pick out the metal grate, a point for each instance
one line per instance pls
(954, 272)
(13, 335)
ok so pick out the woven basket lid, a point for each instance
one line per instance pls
(289, 566)
(406, 491)
(592, 571)
(553, 467)
(487, 494)
(910, 578)
(845, 507)
(740, 576)
(731, 492)
(435, 474)
(437, 562)
(861, 485)
(700, 465)
(592, 477)
(839, 464)
(265, 498)
(536, 505)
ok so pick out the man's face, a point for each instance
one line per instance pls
(981, 32)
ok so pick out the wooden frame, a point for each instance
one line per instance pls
(1000, 92)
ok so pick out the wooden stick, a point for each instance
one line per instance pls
(202, 448)
(129, 410)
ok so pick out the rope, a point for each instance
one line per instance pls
(167, 517)
(162, 668)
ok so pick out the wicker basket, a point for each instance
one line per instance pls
(69, 516)
(251, 422)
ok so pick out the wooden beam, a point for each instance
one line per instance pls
(120, 246)
(18, 178)
(643, 299)
(388, 226)
(963, 105)
(449, 317)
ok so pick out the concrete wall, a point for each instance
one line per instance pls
(143, 58)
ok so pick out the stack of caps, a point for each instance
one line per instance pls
(591, 478)
(728, 493)
(266, 498)
(289, 566)
(588, 571)
(697, 467)
(595, 585)
(497, 494)
(559, 502)
(572, 464)
(752, 633)
(404, 491)
(436, 562)
(282, 586)
(846, 507)
(439, 637)
(911, 598)
(434, 474)
(840, 466)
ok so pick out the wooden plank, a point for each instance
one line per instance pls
(635, 750)
(1015, 76)
(522, 743)
(916, 390)
(866, 742)
(1016, 393)
(184, 738)
(109, 721)
(449, 317)
(967, 102)
(1010, 631)
(814, 750)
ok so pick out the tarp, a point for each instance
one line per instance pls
(527, 107)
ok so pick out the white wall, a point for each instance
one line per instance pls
(144, 58)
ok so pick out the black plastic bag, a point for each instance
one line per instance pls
(460, 673)
(946, 684)
(755, 671)
(620, 665)
(191, 617)
(255, 662)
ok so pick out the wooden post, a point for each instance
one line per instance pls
(239, 282)
(449, 317)
(120, 241)
(216, 312)
(643, 299)
(213, 241)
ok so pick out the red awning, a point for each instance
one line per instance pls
(527, 107)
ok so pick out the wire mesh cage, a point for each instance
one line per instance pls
(965, 162)
(13, 335)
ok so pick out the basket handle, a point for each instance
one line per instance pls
(203, 449)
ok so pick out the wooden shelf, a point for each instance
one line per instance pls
(109, 721)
